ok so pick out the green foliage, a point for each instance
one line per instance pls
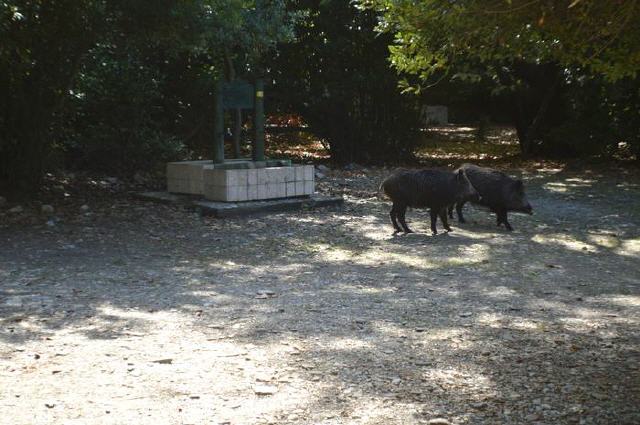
(523, 51)
(602, 36)
(115, 113)
(599, 116)
(119, 84)
(336, 75)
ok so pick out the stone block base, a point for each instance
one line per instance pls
(258, 184)
(240, 180)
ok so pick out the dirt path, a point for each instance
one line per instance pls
(146, 314)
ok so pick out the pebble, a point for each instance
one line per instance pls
(16, 210)
(438, 421)
(47, 209)
(84, 208)
(265, 389)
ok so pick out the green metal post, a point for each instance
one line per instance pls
(218, 126)
(258, 122)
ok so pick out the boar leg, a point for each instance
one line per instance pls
(502, 219)
(393, 214)
(459, 211)
(401, 213)
(434, 219)
(451, 210)
(443, 217)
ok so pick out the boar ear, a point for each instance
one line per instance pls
(519, 185)
(460, 175)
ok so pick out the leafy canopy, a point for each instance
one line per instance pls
(600, 36)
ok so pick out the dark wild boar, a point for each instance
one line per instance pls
(433, 189)
(498, 191)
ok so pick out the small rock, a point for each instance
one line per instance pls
(47, 209)
(84, 208)
(16, 210)
(438, 421)
(465, 314)
(323, 168)
(163, 361)
(139, 178)
(352, 166)
(319, 175)
(14, 301)
(265, 389)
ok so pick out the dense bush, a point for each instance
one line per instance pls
(336, 74)
(119, 85)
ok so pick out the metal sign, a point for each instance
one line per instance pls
(237, 94)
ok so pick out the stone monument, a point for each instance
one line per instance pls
(240, 180)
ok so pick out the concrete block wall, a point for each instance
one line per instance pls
(186, 176)
(258, 184)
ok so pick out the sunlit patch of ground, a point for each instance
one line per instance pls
(459, 143)
(149, 314)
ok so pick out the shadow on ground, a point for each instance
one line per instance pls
(151, 306)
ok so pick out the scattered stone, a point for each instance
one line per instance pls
(14, 301)
(163, 361)
(47, 209)
(323, 168)
(139, 178)
(465, 314)
(352, 167)
(320, 175)
(438, 421)
(265, 389)
(16, 210)
(85, 208)
(265, 293)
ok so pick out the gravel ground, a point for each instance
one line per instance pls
(133, 313)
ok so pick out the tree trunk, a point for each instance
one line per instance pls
(528, 131)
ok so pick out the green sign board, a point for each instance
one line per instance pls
(237, 94)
